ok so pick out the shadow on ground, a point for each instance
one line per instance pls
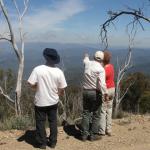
(73, 130)
(29, 137)
(70, 130)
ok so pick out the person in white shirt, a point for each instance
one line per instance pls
(49, 83)
(94, 88)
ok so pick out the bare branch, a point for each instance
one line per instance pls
(137, 16)
(4, 38)
(124, 68)
(63, 116)
(12, 107)
(6, 96)
(26, 3)
(10, 29)
(21, 15)
(121, 73)
(121, 98)
(128, 59)
(62, 105)
(17, 8)
(19, 51)
(131, 29)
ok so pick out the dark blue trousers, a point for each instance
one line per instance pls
(40, 116)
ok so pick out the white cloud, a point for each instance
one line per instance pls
(45, 23)
(50, 18)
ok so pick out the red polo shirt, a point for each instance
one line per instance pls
(109, 70)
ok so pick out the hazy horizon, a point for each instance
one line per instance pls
(72, 58)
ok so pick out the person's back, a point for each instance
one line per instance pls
(106, 109)
(94, 88)
(49, 79)
(91, 73)
(49, 82)
(94, 75)
(109, 70)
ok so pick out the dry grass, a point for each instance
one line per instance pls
(130, 133)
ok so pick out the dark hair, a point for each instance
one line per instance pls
(107, 57)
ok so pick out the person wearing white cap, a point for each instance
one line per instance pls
(94, 88)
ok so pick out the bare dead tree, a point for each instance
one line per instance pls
(19, 50)
(122, 70)
(131, 29)
(138, 15)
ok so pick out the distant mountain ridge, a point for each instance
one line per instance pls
(71, 55)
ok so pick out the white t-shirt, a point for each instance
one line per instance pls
(48, 80)
(94, 76)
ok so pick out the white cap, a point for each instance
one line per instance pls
(99, 55)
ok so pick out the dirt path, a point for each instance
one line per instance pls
(132, 133)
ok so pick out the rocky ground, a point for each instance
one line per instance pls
(130, 133)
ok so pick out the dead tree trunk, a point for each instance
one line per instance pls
(122, 70)
(18, 51)
(138, 15)
(116, 110)
(19, 86)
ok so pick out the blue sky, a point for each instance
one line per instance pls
(78, 21)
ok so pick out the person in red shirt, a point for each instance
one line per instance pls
(106, 108)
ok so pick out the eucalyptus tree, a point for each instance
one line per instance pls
(17, 45)
(136, 22)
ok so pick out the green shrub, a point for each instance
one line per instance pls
(2, 113)
(134, 99)
(19, 123)
(145, 102)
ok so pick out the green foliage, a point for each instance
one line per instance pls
(73, 103)
(133, 99)
(27, 99)
(136, 100)
(7, 112)
(2, 110)
(20, 123)
(7, 82)
(145, 102)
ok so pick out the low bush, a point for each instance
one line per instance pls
(20, 123)
(145, 103)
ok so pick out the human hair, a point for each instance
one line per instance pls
(107, 57)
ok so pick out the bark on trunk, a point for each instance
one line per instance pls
(19, 87)
(116, 110)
